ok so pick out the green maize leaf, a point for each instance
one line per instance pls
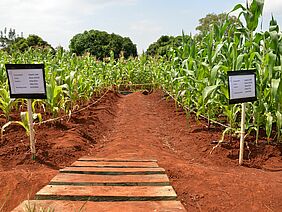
(224, 91)
(257, 6)
(240, 60)
(253, 14)
(14, 122)
(191, 73)
(274, 87)
(274, 40)
(6, 103)
(182, 93)
(277, 69)
(208, 90)
(272, 59)
(37, 116)
(34, 102)
(72, 75)
(273, 25)
(237, 7)
(217, 50)
(278, 124)
(258, 37)
(255, 55)
(25, 119)
(214, 72)
(269, 122)
(279, 120)
(280, 48)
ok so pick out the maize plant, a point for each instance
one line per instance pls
(6, 103)
(71, 79)
(24, 122)
(196, 73)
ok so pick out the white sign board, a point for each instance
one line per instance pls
(26, 81)
(242, 86)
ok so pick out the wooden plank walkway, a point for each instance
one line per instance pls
(113, 171)
(103, 184)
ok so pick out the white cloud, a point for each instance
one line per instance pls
(114, 2)
(57, 21)
(54, 20)
(273, 6)
(146, 26)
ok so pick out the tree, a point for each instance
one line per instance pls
(7, 37)
(206, 23)
(10, 41)
(161, 46)
(32, 41)
(101, 44)
(164, 44)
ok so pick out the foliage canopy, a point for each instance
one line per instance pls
(32, 41)
(10, 41)
(101, 44)
(165, 43)
(206, 23)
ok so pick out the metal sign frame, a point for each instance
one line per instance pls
(26, 67)
(242, 73)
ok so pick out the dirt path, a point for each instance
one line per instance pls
(149, 127)
(145, 126)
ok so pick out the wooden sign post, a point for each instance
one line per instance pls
(242, 89)
(27, 81)
(242, 133)
(31, 132)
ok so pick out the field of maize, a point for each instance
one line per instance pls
(179, 124)
(195, 74)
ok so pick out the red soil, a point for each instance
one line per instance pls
(146, 126)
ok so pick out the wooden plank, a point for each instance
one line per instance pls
(90, 158)
(112, 171)
(106, 193)
(134, 206)
(110, 180)
(115, 164)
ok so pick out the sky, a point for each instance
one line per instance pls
(143, 21)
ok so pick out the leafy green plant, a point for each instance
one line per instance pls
(6, 103)
(24, 122)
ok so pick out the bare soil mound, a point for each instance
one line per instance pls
(58, 144)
